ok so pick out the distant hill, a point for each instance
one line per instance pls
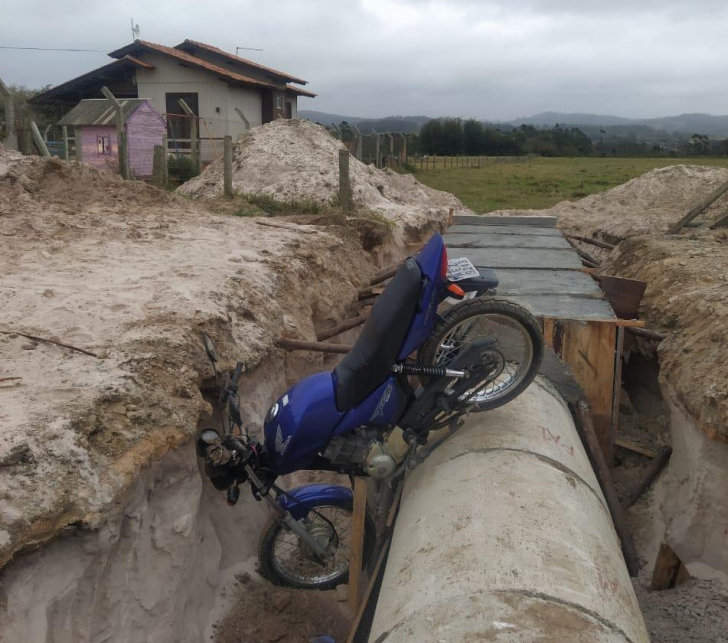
(405, 124)
(716, 126)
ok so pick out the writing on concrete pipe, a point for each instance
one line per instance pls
(504, 535)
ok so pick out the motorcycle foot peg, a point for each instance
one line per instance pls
(412, 438)
(233, 494)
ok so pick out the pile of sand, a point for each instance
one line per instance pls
(299, 160)
(648, 204)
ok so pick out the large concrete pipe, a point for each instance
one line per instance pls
(504, 535)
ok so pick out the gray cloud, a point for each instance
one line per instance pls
(494, 59)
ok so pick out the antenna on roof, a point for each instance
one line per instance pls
(237, 49)
(134, 30)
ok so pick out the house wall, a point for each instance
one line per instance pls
(89, 143)
(144, 131)
(216, 100)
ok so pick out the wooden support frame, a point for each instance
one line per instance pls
(356, 543)
(120, 133)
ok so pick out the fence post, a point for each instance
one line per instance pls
(358, 142)
(403, 151)
(228, 167)
(194, 145)
(159, 166)
(64, 136)
(38, 139)
(344, 182)
(77, 143)
(11, 138)
(376, 152)
(120, 133)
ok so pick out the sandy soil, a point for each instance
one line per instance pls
(297, 159)
(132, 274)
(648, 204)
(263, 612)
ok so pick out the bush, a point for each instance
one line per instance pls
(181, 169)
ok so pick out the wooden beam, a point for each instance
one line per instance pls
(698, 209)
(648, 334)
(651, 471)
(633, 446)
(722, 222)
(589, 349)
(584, 254)
(38, 139)
(194, 148)
(120, 133)
(319, 347)
(356, 542)
(594, 242)
(667, 568)
(591, 443)
(341, 328)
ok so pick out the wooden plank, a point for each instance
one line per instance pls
(356, 542)
(368, 593)
(319, 347)
(341, 328)
(485, 220)
(548, 331)
(617, 385)
(698, 209)
(633, 446)
(588, 348)
(589, 437)
(667, 568)
(650, 472)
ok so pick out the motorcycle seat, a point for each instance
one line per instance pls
(370, 361)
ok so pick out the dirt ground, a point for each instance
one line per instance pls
(263, 612)
(132, 275)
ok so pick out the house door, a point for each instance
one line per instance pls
(178, 123)
(289, 109)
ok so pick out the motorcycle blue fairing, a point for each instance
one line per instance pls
(299, 501)
(302, 422)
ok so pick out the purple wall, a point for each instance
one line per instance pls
(145, 129)
(90, 152)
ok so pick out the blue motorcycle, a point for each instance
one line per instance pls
(436, 346)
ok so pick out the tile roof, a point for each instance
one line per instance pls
(124, 60)
(238, 59)
(299, 91)
(190, 60)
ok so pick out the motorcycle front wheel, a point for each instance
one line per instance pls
(286, 561)
(518, 350)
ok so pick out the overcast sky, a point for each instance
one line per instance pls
(491, 59)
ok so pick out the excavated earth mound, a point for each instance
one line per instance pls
(648, 204)
(299, 160)
(132, 275)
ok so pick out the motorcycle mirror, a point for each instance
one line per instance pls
(209, 347)
(210, 437)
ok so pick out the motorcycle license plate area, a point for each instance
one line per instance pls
(459, 269)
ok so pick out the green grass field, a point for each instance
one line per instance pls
(542, 182)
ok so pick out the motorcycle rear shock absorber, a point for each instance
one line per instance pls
(427, 371)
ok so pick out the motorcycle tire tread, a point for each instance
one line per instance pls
(482, 306)
(265, 554)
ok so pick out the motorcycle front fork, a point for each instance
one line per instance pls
(286, 518)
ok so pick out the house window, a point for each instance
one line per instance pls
(279, 102)
(103, 145)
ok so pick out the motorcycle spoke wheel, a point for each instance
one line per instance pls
(518, 346)
(293, 564)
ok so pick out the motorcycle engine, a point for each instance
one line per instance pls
(362, 448)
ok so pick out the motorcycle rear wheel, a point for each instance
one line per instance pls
(519, 344)
(285, 561)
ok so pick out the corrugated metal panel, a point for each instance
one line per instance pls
(99, 111)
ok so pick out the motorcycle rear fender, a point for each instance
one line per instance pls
(486, 281)
(301, 500)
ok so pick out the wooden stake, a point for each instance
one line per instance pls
(356, 542)
(296, 345)
(38, 139)
(341, 328)
(228, 167)
(48, 341)
(345, 200)
(594, 450)
(698, 209)
(594, 242)
(645, 332)
(583, 254)
(120, 133)
(651, 471)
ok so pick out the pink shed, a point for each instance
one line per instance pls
(95, 120)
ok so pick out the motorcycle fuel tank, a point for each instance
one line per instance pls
(300, 423)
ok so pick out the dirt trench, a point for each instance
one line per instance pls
(107, 530)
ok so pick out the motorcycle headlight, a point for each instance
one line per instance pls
(272, 413)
